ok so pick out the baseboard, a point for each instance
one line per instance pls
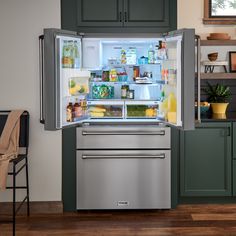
(52, 207)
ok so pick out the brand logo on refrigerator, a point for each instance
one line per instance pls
(123, 203)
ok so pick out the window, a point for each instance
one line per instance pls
(219, 12)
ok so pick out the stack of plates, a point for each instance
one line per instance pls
(143, 80)
(218, 36)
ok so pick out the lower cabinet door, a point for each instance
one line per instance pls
(205, 161)
(234, 178)
(123, 179)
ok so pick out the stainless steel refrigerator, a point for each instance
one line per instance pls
(121, 92)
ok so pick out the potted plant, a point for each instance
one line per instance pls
(218, 96)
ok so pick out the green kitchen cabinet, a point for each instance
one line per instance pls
(119, 16)
(148, 13)
(234, 178)
(206, 161)
(234, 158)
(69, 169)
(234, 140)
(99, 13)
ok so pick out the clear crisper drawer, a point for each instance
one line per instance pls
(141, 109)
(106, 109)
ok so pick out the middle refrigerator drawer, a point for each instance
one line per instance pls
(122, 137)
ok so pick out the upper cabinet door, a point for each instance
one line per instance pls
(99, 13)
(146, 13)
(119, 16)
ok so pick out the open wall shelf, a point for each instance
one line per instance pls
(218, 42)
(218, 75)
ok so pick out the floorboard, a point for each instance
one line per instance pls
(184, 220)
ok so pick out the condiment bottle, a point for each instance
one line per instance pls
(83, 104)
(124, 89)
(151, 55)
(78, 109)
(75, 56)
(69, 112)
(130, 94)
(123, 56)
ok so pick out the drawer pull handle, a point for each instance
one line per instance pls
(157, 156)
(161, 132)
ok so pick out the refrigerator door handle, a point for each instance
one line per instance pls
(41, 77)
(157, 156)
(125, 17)
(120, 16)
(198, 77)
(161, 132)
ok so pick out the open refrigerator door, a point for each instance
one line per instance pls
(170, 104)
(65, 85)
(178, 75)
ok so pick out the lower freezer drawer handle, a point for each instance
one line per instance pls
(161, 132)
(158, 156)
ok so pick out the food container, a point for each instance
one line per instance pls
(122, 77)
(102, 91)
(130, 94)
(105, 75)
(141, 111)
(136, 72)
(78, 86)
(113, 75)
(112, 61)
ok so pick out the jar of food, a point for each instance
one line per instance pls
(113, 75)
(130, 94)
(136, 72)
(124, 90)
(105, 75)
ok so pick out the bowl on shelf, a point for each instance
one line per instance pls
(218, 36)
(204, 107)
(213, 56)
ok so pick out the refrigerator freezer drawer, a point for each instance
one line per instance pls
(123, 179)
(123, 137)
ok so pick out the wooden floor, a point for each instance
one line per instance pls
(185, 220)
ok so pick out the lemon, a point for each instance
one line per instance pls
(72, 91)
(78, 87)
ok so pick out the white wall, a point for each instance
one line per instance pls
(21, 22)
(190, 14)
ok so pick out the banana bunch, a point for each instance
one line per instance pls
(97, 112)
